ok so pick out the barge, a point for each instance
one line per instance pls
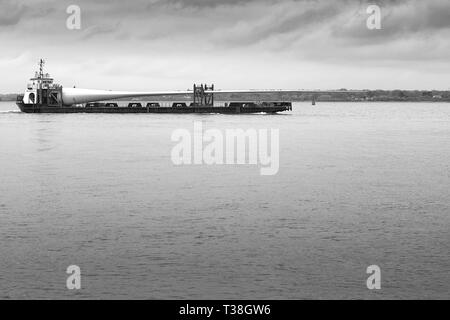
(44, 96)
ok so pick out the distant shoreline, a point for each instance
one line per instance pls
(297, 96)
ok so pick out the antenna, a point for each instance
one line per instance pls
(41, 68)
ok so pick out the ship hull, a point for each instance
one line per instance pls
(30, 108)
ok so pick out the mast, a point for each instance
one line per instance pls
(41, 68)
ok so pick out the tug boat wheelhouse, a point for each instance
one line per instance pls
(40, 91)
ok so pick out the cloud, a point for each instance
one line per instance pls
(98, 30)
(257, 36)
(239, 22)
(280, 20)
(399, 19)
(10, 12)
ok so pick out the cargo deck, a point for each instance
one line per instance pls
(232, 108)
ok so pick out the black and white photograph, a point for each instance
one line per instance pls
(224, 150)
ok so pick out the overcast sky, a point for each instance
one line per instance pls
(236, 44)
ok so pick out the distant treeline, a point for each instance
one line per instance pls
(8, 97)
(341, 95)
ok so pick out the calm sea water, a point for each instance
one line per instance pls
(359, 184)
